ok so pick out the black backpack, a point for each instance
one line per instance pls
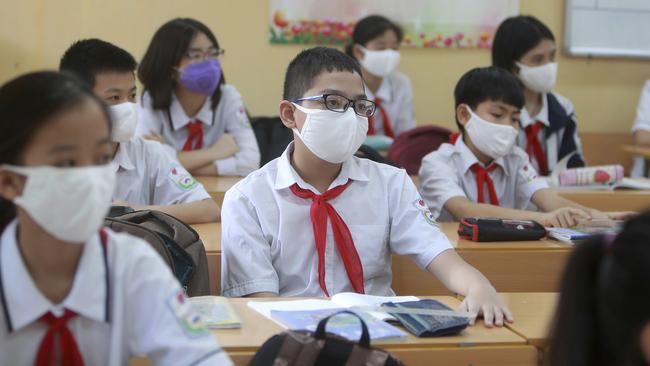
(303, 348)
(176, 242)
(272, 137)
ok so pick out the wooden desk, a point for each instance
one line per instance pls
(529, 266)
(644, 152)
(476, 345)
(217, 186)
(617, 200)
(210, 234)
(534, 266)
(533, 315)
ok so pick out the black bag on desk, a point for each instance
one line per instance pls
(486, 229)
(303, 348)
(428, 325)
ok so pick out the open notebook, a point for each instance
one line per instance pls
(305, 314)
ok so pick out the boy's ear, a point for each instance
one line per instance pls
(357, 52)
(287, 114)
(462, 114)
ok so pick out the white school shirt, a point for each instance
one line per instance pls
(148, 314)
(446, 173)
(146, 175)
(641, 122)
(552, 145)
(230, 117)
(396, 97)
(267, 240)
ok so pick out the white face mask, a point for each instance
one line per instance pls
(491, 139)
(332, 136)
(539, 78)
(380, 63)
(125, 120)
(68, 203)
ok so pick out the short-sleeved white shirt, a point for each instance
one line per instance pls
(146, 175)
(147, 311)
(446, 173)
(268, 241)
(229, 117)
(550, 145)
(396, 97)
(641, 122)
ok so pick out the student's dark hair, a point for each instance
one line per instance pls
(604, 300)
(516, 36)
(89, 57)
(168, 46)
(309, 64)
(370, 28)
(27, 102)
(487, 83)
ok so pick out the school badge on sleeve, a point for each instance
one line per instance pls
(242, 117)
(422, 207)
(528, 172)
(182, 178)
(189, 320)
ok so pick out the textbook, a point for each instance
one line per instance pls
(216, 312)
(576, 235)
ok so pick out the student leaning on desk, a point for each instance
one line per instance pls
(483, 173)
(274, 218)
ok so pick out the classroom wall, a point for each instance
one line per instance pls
(34, 34)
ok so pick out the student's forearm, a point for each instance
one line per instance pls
(191, 213)
(456, 274)
(196, 159)
(471, 209)
(548, 200)
(642, 138)
(209, 169)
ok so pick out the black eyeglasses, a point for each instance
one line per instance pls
(339, 103)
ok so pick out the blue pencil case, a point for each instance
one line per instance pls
(428, 325)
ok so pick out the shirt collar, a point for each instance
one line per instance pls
(468, 158)
(542, 116)
(122, 158)
(26, 304)
(180, 119)
(287, 175)
(383, 93)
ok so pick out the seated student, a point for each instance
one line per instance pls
(375, 44)
(187, 104)
(147, 178)
(603, 313)
(641, 131)
(549, 132)
(483, 173)
(72, 293)
(276, 236)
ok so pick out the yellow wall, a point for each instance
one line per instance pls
(34, 34)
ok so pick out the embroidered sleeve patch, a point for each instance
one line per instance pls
(189, 320)
(528, 172)
(242, 117)
(182, 178)
(421, 206)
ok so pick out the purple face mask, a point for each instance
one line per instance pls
(202, 77)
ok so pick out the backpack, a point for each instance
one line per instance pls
(411, 146)
(303, 348)
(272, 137)
(176, 242)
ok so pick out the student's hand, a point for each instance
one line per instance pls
(483, 299)
(563, 217)
(224, 147)
(154, 137)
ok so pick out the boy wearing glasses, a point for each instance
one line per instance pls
(317, 220)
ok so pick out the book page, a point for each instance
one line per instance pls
(350, 299)
(265, 307)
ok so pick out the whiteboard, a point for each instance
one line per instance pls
(607, 28)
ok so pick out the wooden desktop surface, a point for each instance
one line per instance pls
(475, 345)
(529, 266)
(533, 314)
